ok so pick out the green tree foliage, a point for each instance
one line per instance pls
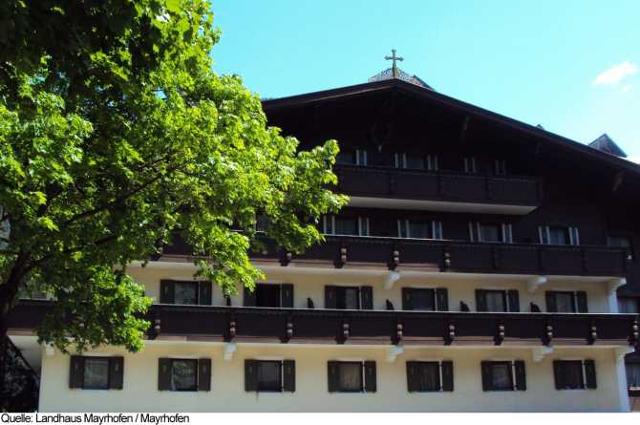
(115, 135)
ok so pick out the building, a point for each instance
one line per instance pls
(480, 266)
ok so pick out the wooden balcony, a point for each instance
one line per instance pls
(463, 257)
(369, 326)
(399, 188)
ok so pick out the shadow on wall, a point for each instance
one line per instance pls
(20, 383)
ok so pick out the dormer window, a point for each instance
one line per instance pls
(345, 226)
(559, 235)
(416, 162)
(355, 157)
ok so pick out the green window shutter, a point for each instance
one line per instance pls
(442, 299)
(289, 376)
(412, 377)
(581, 302)
(406, 299)
(76, 372)
(164, 374)
(551, 302)
(487, 384)
(167, 292)
(116, 372)
(481, 301)
(366, 297)
(286, 294)
(590, 374)
(333, 376)
(250, 375)
(204, 295)
(514, 300)
(330, 294)
(204, 374)
(249, 297)
(447, 375)
(370, 384)
(521, 375)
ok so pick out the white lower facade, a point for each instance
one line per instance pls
(140, 380)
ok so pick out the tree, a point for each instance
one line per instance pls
(115, 136)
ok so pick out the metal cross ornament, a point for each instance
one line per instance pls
(394, 59)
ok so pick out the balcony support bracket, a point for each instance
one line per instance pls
(612, 296)
(229, 350)
(393, 352)
(539, 353)
(390, 279)
(536, 282)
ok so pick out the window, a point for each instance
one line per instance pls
(429, 376)
(356, 157)
(185, 292)
(497, 300)
(621, 242)
(425, 299)
(352, 376)
(269, 295)
(629, 305)
(262, 223)
(503, 376)
(184, 374)
(574, 374)
(420, 229)
(345, 226)
(566, 301)
(559, 235)
(96, 373)
(500, 167)
(470, 165)
(349, 297)
(490, 232)
(633, 376)
(416, 162)
(270, 375)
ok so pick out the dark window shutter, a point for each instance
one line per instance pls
(487, 384)
(333, 376)
(370, 377)
(447, 375)
(116, 372)
(286, 293)
(581, 301)
(412, 377)
(481, 301)
(366, 297)
(164, 374)
(289, 376)
(167, 292)
(442, 299)
(514, 300)
(406, 299)
(250, 375)
(204, 296)
(557, 374)
(551, 302)
(521, 375)
(590, 374)
(204, 374)
(330, 296)
(249, 297)
(76, 372)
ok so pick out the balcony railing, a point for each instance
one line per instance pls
(465, 257)
(438, 186)
(370, 326)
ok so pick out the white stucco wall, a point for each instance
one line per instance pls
(141, 374)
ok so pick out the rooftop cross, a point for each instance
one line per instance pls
(394, 59)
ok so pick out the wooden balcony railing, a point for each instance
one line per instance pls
(466, 257)
(369, 326)
(438, 186)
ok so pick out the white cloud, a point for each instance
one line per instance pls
(615, 74)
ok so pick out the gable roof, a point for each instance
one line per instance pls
(605, 144)
(538, 132)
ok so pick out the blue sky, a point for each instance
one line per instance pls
(572, 66)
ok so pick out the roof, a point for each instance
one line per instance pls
(438, 98)
(387, 74)
(605, 144)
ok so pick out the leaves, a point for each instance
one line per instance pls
(116, 137)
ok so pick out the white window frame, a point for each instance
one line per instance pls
(584, 371)
(362, 157)
(403, 227)
(430, 161)
(439, 361)
(544, 235)
(329, 226)
(470, 165)
(500, 167)
(506, 230)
